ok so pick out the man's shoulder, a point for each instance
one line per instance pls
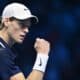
(4, 52)
(2, 48)
(2, 45)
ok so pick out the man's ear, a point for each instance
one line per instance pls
(6, 22)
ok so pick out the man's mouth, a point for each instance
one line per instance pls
(22, 37)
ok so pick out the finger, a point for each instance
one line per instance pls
(37, 39)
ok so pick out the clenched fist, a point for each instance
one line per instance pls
(42, 46)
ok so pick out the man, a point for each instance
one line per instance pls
(15, 23)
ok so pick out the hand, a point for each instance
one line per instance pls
(42, 46)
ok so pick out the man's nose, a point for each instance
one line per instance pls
(26, 30)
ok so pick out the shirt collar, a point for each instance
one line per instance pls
(5, 45)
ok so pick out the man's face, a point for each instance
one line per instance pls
(17, 30)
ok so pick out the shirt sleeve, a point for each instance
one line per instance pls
(7, 66)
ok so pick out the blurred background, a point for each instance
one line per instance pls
(59, 23)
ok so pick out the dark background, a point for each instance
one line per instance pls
(59, 23)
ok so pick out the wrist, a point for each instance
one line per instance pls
(41, 62)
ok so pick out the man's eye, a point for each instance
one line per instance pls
(24, 24)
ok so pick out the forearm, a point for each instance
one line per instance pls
(42, 47)
(35, 75)
(39, 67)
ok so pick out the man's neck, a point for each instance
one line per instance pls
(6, 38)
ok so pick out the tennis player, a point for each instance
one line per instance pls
(16, 20)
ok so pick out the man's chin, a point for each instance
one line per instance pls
(20, 41)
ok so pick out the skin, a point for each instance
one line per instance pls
(13, 33)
